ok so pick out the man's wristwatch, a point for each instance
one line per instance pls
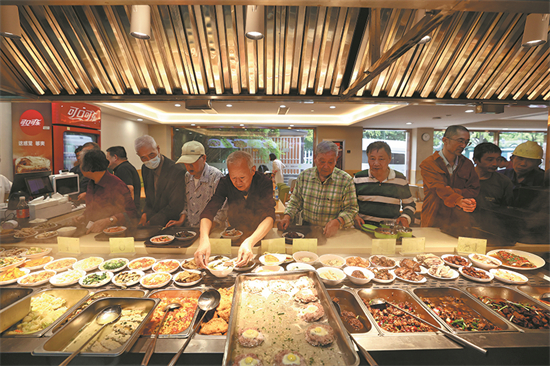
(112, 219)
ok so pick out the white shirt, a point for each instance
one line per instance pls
(278, 166)
(5, 186)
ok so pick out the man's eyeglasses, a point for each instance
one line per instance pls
(466, 143)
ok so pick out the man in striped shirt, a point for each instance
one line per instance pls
(381, 191)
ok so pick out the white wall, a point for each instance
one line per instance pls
(6, 151)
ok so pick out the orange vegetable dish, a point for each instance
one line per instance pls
(177, 320)
(36, 262)
(141, 263)
(166, 266)
(11, 274)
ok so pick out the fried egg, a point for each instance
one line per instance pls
(318, 331)
(249, 361)
(250, 333)
(310, 309)
(291, 359)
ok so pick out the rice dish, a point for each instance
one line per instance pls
(249, 359)
(250, 337)
(312, 312)
(319, 335)
(306, 295)
(287, 357)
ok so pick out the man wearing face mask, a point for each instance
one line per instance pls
(164, 183)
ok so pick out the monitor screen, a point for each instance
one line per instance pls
(39, 186)
(67, 184)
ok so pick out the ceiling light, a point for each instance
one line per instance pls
(282, 106)
(505, 129)
(332, 107)
(229, 105)
(192, 124)
(140, 21)
(9, 22)
(409, 123)
(241, 125)
(291, 125)
(469, 111)
(536, 30)
(254, 22)
(140, 119)
(177, 105)
(537, 106)
(420, 14)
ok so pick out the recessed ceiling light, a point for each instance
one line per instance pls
(312, 110)
(537, 106)
(192, 124)
(332, 107)
(505, 129)
(409, 123)
(177, 105)
(241, 125)
(229, 105)
(469, 111)
(140, 119)
(282, 106)
(291, 125)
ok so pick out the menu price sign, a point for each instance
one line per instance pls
(308, 245)
(220, 247)
(68, 245)
(122, 245)
(413, 245)
(383, 247)
(273, 246)
(471, 245)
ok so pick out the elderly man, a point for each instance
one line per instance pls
(201, 181)
(83, 185)
(450, 181)
(381, 191)
(495, 189)
(162, 180)
(250, 207)
(108, 199)
(121, 167)
(325, 193)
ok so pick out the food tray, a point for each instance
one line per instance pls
(535, 291)
(55, 345)
(471, 303)
(18, 310)
(507, 294)
(10, 295)
(172, 293)
(399, 295)
(348, 302)
(342, 342)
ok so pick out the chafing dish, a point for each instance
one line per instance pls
(348, 302)
(535, 291)
(10, 295)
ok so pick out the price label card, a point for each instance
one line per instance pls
(309, 245)
(274, 246)
(220, 247)
(471, 245)
(68, 245)
(122, 245)
(413, 245)
(383, 247)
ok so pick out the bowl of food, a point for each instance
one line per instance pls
(188, 277)
(300, 267)
(185, 235)
(291, 235)
(358, 275)
(305, 257)
(269, 269)
(332, 260)
(385, 233)
(404, 232)
(115, 230)
(331, 276)
(221, 268)
(269, 259)
(231, 233)
(67, 231)
(484, 261)
(162, 239)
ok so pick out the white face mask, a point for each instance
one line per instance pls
(153, 163)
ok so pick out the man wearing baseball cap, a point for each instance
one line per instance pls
(201, 181)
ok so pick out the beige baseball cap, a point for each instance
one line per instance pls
(191, 152)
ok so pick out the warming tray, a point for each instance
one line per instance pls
(470, 303)
(282, 329)
(348, 302)
(18, 310)
(9, 295)
(57, 343)
(535, 292)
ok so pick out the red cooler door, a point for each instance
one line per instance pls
(66, 140)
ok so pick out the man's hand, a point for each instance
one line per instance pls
(245, 253)
(82, 196)
(143, 220)
(467, 204)
(202, 253)
(402, 221)
(284, 223)
(78, 220)
(99, 225)
(331, 228)
(177, 223)
(358, 221)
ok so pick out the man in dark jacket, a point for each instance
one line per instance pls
(121, 167)
(164, 183)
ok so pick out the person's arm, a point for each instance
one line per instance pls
(245, 251)
(203, 251)
(407, 205)
(433, 179)
(296, 201)
(177, 222)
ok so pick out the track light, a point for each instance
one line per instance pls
(254, 22)
(536, 30)
(9, 22)
(140, 21)
(420, 14)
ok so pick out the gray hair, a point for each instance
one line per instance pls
(143, 141)
(326, 146)
(239, 155)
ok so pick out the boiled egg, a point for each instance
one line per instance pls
(319, 331)
(250, 333)
(249, 361)
(291, 359)
(311, 309)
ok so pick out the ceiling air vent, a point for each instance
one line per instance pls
(490, 108)
(198, 104)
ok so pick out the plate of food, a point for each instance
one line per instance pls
(268, 269)
(36, 278)
(429, 260)
(380, 261)
(331, 276)
(88, 264)
(517, 259)
(14, 252)
(221, 268)
(332, 260)
(47, 226)
(412, 265)
(37, 263)
(185, 235)
(455, 261)
(67, 278)
(382, 275)
(114, 265)
(443, 272)
(115, 230)
(162, 239)
(272, 259)
(26, 232)
(508, 276)
(46, 235)
(127, 278)
(408, 275)
(189, 263)
(155, 280)
(247, 267)
(96, 279)
(305, 257)
(60, 265)
(188, 277)
(357, 262)
(484, 261)
(10, 262)
(36, 252)
(12, 275)
(476, 274)
(142, 264)
(166, 265)
(231, 233)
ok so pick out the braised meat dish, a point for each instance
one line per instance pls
(382, 261)
(408, 274)
(525, 315)
(393, 320)
(409, 264)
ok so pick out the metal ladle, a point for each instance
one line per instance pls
(105, 317)
(365, 353)
(207, 301)
(545, 296)
(168, 308)
(454, 337)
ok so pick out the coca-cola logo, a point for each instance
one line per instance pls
(81, 114)
(31, 122)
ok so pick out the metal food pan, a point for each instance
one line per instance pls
(18, 310)
(94, 296)
(211, 314)
(58, 342)
(506, 293)
(535, 292)
(398, 295)
(9, 295)
(274, 326)
(348, 302)
(173, 293)
(471, 303)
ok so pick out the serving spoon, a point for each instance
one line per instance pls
(168, 308)
(207, 301)
(105, 317)
(454, 337)
(545, 296)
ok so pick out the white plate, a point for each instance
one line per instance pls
(409, 281)
(36, 283)
(13, 264)
(374, 266)
(159, 285)
(98, 284)
(533, 258)
(47, 235)
(280, 259)
(475, 259)
(164, 261)
(142, 268)
(131, 283)
(102, 265)
(251, 264)
(524, 278)
(62, 269)
(268, 269)
(478, 279)
(38, 255)
(188, 284)
(55, 280)
(453, 277)
(9, 282)
(356, 256)
(183, 262)
(423, 269)
(300, 267)
(40, 266)
(171, 237)
(452, 264)
(90, 268)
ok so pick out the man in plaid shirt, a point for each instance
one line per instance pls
(325, 193)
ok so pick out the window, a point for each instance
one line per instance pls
(476, 137)
(398, 141)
